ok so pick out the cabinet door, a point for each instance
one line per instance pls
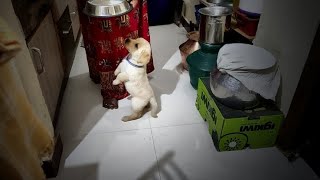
(74, 16)
(58, 8)
(44, 49)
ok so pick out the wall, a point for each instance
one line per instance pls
(287, 29)
(25, 68)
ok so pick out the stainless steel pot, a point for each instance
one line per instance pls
(107, 8)
(218, 2)
(212, 24)
(231, 92)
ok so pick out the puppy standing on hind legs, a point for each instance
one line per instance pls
(132, 71)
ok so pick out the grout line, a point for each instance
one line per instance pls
(101, 132)
(117, 131)
(178, 125)
(128, 130)
(155, 152)
(154, 148)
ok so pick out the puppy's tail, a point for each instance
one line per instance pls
(154, 107)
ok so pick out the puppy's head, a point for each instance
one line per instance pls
(139, 49)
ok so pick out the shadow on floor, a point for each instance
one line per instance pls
(85, 172)
(164, 164)
(81, 110)
(81, 107)
(163, 82)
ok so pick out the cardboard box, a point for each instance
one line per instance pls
(233, 129)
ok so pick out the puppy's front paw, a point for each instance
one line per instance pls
(116, 82)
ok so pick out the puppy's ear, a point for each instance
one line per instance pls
(144, 57)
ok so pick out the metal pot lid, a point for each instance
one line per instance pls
(107, 8)
(216, 11)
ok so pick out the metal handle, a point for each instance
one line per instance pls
(40, 69)
(68, 30)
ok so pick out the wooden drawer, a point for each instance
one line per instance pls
(45, 52)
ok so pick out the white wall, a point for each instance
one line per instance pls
(25, 68)
(287, 29)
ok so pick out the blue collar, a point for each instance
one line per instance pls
(132, 64)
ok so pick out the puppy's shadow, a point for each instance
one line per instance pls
(163, 82)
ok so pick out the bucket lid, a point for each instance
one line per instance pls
(107, 8)
(216, 11)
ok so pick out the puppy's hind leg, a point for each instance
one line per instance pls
(137, 106)
(153, 107)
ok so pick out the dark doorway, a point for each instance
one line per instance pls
(300, 133)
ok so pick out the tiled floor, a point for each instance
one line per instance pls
(175, 146)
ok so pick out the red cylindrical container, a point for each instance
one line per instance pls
(104, 43)
(246, 24)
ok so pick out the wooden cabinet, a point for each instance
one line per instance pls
(74, 16)
(52, 48)
(58, 8)
(44, 49)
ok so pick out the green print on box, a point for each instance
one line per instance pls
(233, 129)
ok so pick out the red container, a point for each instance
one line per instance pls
(247, 25)
(104, 39)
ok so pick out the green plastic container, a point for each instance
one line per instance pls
(202, 62)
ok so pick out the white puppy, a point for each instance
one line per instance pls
(132, 71)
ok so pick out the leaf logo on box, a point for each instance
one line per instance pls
(258, 127)
(211, 110)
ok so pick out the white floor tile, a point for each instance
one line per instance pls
(80, 65)
(111, 120)
(99, 146)
(175, 111)
(303, 171)
(252, 164)
(165, 41)
(196, 156)
(191, 152)
(81, 108)
(175, 95)
(82, 112)
(124, 155)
